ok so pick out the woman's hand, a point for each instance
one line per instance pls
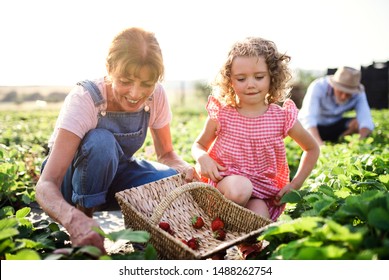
(82, 233)
(191, 174)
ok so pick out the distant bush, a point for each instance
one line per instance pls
(11, 96)
(56, 97)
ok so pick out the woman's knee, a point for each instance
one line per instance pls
(102, 142)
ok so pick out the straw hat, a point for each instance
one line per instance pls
(347, 79)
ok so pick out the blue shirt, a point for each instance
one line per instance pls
(320, 108)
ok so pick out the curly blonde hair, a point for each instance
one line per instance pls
(132, 49)
(277, 63)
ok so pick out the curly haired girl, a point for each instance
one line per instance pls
(241, 149)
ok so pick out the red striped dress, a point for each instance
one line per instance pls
(254, 147)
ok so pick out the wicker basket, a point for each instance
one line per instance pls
(172, 199)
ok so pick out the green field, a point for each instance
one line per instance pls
(342, 211)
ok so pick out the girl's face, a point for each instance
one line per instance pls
(131, 92)
(250, 79)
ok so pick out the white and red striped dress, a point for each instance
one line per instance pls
(254, 147)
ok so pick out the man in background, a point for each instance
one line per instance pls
(328, 98)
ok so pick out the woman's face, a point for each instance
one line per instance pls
(131, 92)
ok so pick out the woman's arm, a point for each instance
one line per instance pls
(165, 153)
(50, 198)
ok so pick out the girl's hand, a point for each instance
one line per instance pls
(286, 189)
(208, 168)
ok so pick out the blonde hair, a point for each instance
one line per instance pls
(132, 49)
(277, 63)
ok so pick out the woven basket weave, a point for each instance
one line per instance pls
(173, 200)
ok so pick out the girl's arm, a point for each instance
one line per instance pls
(308, 159)
(207, 167)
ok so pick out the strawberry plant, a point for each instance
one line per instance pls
(341, 212)
(21, 239)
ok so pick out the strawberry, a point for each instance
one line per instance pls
(197, 222)
(219, 234)
(216, 224)
(193, 243)
(166, 227)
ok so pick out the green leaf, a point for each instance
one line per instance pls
(379, 218)
(329, 252)
(54, 227)
(6, 245)
(28, 243)
(6, 211)
(384, 178)
(8, 232)
(54, 257)
(323, 205)
(312, 197)
(291, 197)
(8, 223)
(357, 206)
(89, 250)
(102, 233)
(326, 190)
(343, 178)
(299, 227)
(22, 213)
(130, 235)
(25, 254)
(150, 252)
(332, 231)
(337, 170)
(60, 236)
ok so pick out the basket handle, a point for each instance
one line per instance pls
(166, 201)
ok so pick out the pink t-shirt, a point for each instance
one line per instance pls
(79, 113)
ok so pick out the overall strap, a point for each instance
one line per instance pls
(93, 90)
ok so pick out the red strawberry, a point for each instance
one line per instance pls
(184, 241)
(216, 224)
(193, 243)
(219, 234)
(197, 222)
(166, 227)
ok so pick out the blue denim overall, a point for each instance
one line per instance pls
(105, 164)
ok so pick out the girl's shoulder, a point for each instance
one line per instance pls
(288, 105)
(213, 107)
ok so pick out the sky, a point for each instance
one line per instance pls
(51, 42)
